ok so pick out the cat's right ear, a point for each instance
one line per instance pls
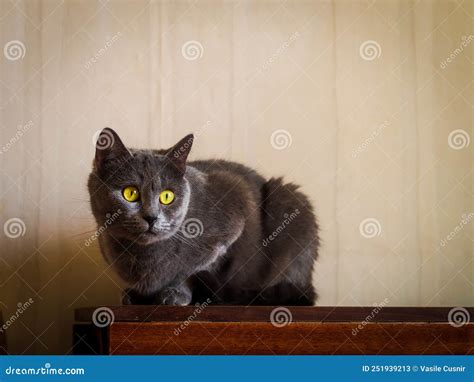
(178, 154)
(109, 146)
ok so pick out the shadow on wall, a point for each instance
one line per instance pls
(39, 321)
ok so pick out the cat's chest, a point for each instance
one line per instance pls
(140, 263)
(152, 267)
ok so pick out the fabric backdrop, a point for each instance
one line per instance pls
(366, 104)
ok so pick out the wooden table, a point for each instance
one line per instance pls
(3, 340)
(272, 330)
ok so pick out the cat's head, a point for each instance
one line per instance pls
(139, 195)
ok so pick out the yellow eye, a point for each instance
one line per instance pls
(166, 197)
(131, 194)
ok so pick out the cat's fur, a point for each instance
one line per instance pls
(230, 235)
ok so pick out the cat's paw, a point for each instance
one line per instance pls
(174, 296)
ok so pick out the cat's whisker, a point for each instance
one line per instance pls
(190, 242)
(84, 233)
(181, 238)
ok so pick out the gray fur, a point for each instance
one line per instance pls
(259, 237)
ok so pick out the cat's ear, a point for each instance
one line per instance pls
(109, 147)
(178, 154)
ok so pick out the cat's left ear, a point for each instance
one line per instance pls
(178, 154)
(109, 146)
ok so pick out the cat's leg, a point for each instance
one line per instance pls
(132, 297)
(180, 294)
(286, 294)
(126, 297)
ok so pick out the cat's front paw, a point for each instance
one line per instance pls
(174, 296)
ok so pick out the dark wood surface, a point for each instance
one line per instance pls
(251, 330)
(296, 338)
(3, 339)
(160, 313)
(89, 339)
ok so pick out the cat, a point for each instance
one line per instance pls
(180, 232)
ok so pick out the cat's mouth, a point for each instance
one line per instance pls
(159, 229)
(155, 233)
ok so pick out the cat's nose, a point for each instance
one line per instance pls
(150, 219)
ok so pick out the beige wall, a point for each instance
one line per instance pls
(369, 132)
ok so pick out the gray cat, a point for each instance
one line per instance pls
(181, 232)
